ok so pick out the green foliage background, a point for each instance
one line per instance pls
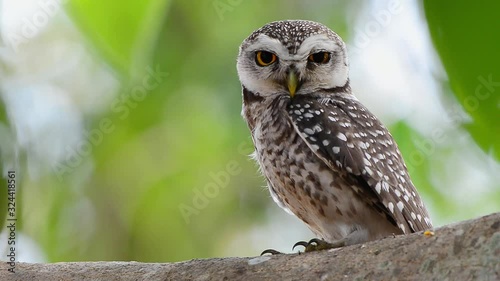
(177, 141)
(466, 37)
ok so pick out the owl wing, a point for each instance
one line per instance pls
(350, 139)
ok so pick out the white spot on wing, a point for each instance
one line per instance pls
(402, 227)
(391, 207)
(385, 186)
(317, 128)
(368, 171)
(398, 194)
(400, 206)
(341, 136)
(308, 131)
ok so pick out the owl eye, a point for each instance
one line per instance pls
(263, 58)
(320, 57)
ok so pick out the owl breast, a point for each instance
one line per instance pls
(301, 183)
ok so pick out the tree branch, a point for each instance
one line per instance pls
(468, 250)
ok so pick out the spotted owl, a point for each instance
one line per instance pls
(326, 158)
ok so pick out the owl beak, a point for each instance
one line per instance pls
(292, 82)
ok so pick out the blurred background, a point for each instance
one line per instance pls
(122, 119)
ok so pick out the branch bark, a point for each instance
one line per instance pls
(468, 250)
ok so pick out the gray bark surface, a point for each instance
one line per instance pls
(468, 250)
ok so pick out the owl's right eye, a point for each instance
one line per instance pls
(263, 58)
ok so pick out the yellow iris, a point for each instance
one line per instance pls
(264, 58)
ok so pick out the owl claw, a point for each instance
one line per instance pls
(318, 245)
(270, 251)
(300, 243)
(313, 245)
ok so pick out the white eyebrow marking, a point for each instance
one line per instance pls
(315, 43)
(264, 42)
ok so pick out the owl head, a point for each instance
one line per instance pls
(292, 57)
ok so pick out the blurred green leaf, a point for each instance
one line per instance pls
(417, 159)
(125, 32)
(466, 38)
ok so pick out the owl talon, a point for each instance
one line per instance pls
(316, 244)
(300, 243)
(271, 251)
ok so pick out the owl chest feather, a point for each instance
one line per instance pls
(280, 151)
(299, 181)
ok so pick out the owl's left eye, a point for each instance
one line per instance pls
(320, 57)
(263, 58)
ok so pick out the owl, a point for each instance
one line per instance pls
(326, 158)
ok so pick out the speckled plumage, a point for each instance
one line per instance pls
(326, 158)
(292, 33)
